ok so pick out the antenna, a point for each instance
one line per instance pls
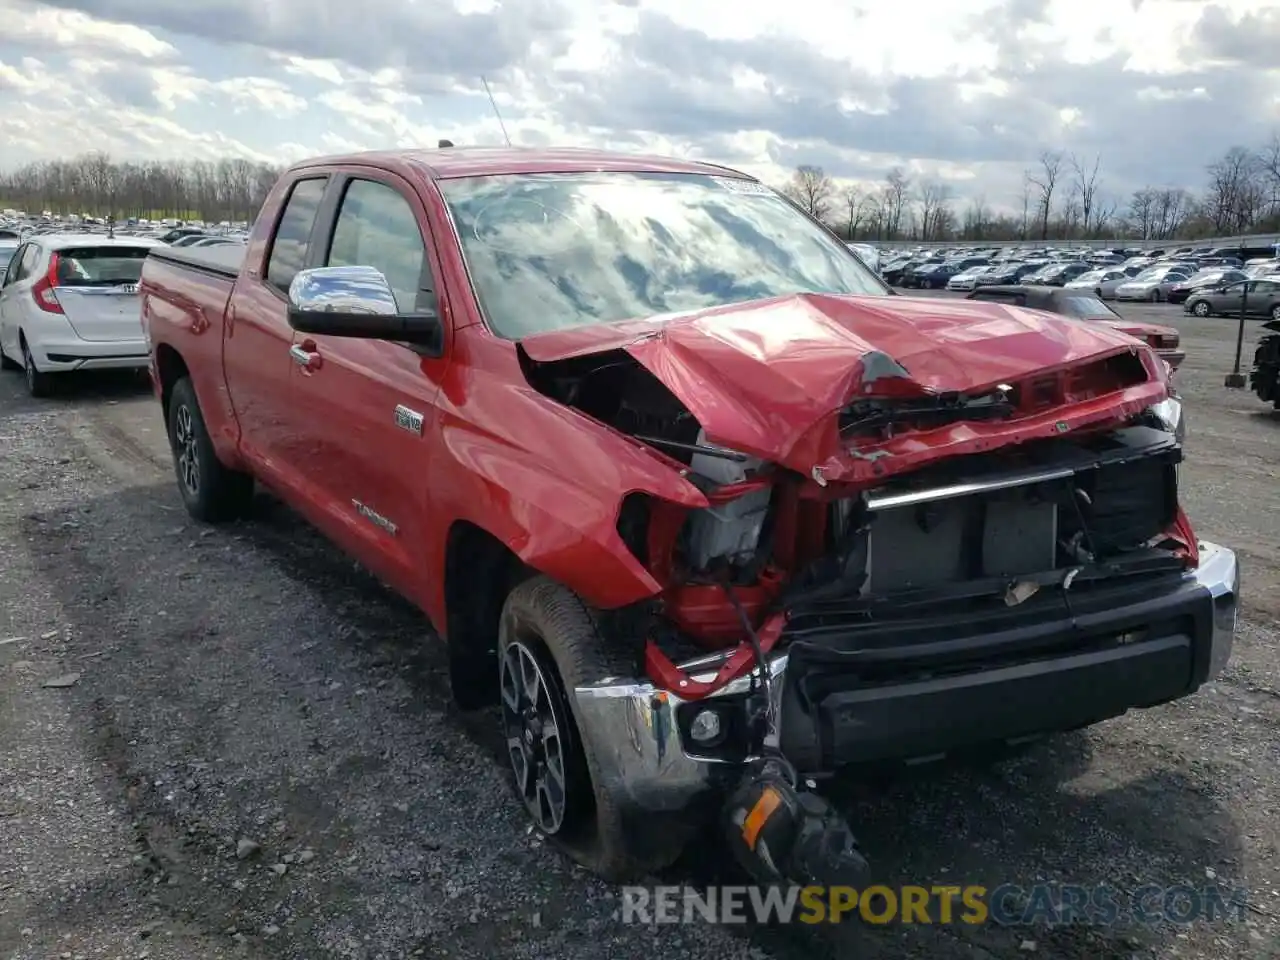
(493, 104)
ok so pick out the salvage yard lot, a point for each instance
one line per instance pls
(246, 684)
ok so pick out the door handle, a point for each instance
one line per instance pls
(306, 359)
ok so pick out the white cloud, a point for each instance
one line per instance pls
(967, 91)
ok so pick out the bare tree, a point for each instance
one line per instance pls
(855, 207)
(812, 190)
(934, 213)
(1236, 193)
(1171, 208)
(1086, 187)
(976, 218)
(1026, 204)
(95, 185)
(1045, 180)
(1142, 207)
(897, 186)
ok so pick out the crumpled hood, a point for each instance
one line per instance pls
(767, 377)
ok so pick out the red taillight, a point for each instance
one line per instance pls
(43, 289)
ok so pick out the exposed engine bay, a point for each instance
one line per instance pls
(997, 528)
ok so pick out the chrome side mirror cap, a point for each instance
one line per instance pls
(342, 290)
(358, 302)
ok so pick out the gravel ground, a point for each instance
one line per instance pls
(254, 754)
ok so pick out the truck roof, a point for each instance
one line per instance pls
(446, 163)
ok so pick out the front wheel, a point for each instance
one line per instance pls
(1202, 309)
(548, 644)
(1155, 296)
(1275, 312)
(211, 492)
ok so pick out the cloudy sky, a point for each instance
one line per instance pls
(969, 91)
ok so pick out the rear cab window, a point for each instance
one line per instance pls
(292, 240)
(100, 266)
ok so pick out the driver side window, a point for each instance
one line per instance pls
(376, 227)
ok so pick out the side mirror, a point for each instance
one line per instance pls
(358, 302)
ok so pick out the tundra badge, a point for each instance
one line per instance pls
(374, 517)
(410, 420)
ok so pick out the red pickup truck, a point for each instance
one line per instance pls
(705, 508)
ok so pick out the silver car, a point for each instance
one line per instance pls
(1103, 282)
(969, 279)
(1153, 284)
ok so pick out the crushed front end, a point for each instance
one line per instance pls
(921, 572)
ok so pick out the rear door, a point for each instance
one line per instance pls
(97, 288)
(1264, 295)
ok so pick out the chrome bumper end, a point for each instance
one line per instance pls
(1219, 573)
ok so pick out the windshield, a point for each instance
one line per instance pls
(548, 251)
(100, 266)
(1086, 308)
(1091, 277)
(1156, 273)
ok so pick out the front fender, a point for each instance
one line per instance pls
(556, 507)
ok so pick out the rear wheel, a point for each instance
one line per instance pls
(1098, 293)
(39, 384)
(1202, 309)
(549, 643)
(1275, 312)
(210, 491)
(1155, 296)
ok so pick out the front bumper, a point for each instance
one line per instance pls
(1164, 647)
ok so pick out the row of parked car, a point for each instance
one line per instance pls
(1207, 284)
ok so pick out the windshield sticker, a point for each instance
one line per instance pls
(749, 187)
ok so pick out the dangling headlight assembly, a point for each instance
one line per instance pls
(1170, 416)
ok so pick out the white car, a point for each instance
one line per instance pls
(1103, 282)
(1153, 284)
(71, 303)
(968, 280)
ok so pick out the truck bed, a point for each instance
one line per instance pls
(224, 259)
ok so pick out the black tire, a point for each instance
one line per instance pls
(1098, 293)
(1202, 309)
(1155, 296)
(39, 385)
(1275, 312)
(548, 621)
(211, 492)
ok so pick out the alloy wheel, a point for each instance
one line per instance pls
(532, 724)
(1201, 309)
(184, 443)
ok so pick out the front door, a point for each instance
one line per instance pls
(9, 306)
(367, 407)
(1229, 300)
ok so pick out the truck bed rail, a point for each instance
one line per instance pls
(224, 259)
